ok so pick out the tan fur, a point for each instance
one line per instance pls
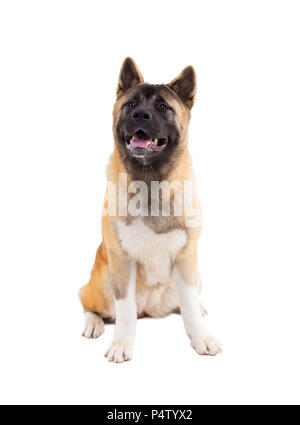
(109, 277)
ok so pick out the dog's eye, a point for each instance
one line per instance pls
(132, 104)
(163, 107)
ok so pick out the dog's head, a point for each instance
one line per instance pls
(151, 121)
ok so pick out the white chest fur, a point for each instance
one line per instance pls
(155, 252)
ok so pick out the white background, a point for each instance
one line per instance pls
(59, 66)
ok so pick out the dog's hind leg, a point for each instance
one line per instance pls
(97, 302)
(94, 325)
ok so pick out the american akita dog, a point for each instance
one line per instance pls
(147, 262)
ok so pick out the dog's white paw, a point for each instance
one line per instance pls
(119, 353)
(94, 326)
(208, 346)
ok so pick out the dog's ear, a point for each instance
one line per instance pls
(185, 86)
(130, 76)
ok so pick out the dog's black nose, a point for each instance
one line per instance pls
(141, 114)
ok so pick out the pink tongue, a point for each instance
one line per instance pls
(139, 143)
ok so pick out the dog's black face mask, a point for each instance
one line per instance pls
(146, 127)
(150, 120)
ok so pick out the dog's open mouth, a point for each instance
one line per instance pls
(140, 144)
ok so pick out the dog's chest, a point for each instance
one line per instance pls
(154, 252)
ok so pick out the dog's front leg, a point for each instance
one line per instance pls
(184, 276)
(126, 316)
